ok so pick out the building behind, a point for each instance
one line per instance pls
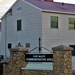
(27, 20)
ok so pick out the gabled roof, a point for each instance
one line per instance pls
(49, 6)
(53, 6)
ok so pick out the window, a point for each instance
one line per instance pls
(1, 57)
(9, 12)
(19, 25)
(19, 8)
(72, 23)
(54, 22)
(73, 51)
(27, 45)
(9, 45)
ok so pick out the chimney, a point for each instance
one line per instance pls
(49, 0)
(62, 3)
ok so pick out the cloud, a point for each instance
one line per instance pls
(1, 0)
(5, 5)
(3, 9)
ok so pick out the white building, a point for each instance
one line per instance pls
(27, 20)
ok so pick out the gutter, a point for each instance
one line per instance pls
(59, 12)
(5, 36)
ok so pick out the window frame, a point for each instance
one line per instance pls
(9, 45)
(27, 45)
(19, 25)
(72, 24)
(18, 9)
(73, 51)
(56, 27)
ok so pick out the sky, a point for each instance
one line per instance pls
(5, 4)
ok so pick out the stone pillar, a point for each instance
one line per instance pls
(62, 60)
(17, 60)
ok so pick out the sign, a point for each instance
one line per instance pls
(39, 57)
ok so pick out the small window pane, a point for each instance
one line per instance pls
(54, 25)
(9, 45)
(18, 25)
(54, 19)
(27, 45)
(71, 26)
(73, 51)
(71, 21)
(19, 8)
(54, 22)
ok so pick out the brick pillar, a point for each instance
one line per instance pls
(62, 60)
(17, 59)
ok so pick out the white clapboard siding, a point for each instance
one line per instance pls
(31, 27)
(53, 37)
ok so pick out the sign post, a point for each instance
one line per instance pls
(39, 57)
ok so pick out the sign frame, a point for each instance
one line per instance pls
(39, 57)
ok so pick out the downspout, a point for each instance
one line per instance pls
(5, 36)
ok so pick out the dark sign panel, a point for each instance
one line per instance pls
(39, 57)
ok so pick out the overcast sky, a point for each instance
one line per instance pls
(5, 4)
